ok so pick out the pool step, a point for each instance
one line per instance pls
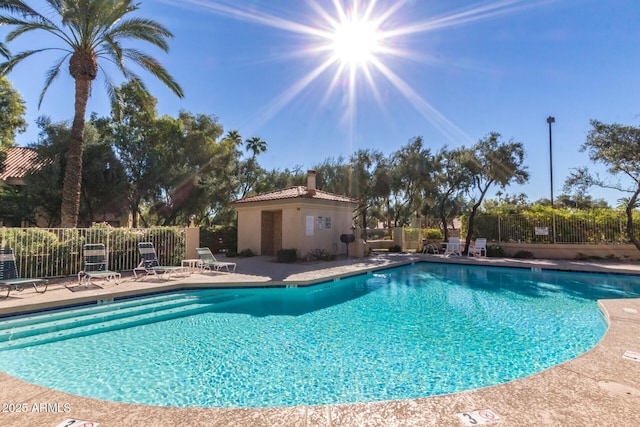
(77, 312)
(87, 321)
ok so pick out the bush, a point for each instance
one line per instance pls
(496, 251)
(320, 254)
(433, 234)
(524, 255)
(395, 248)
(246, 253)
(287, 255)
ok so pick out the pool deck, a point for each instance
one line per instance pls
(599, 388)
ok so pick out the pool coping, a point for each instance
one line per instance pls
(600, 387)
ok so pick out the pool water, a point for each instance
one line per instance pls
(400, 333)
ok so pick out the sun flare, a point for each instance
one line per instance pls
(355, 42)
(358, 42)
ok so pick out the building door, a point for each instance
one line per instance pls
(271, 234)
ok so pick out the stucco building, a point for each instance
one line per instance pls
(299, 217)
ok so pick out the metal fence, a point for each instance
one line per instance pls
(57, 252)
(555, 228)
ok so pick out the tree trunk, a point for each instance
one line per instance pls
(73, 173)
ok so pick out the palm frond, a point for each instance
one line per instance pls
(18, 7)
(142, 29)
(52, 74)
(8, 66)
(4, 51)
(22, 27)
(154, 67)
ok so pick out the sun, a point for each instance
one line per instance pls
(355, 42)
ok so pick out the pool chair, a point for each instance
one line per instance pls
(209, 262)
(479, 248)
(150, 266)
(453, 247)
(9, 278)
(95, 265)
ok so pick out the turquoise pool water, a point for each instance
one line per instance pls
(406, 332)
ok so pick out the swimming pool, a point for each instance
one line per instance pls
(406, 332)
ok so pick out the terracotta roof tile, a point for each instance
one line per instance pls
(18, 162)
(295, 193)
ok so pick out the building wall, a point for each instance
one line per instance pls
(249, 221)
(294, 225)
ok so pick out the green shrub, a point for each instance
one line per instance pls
(287, 255)
(433, 234)
(496, 251)
(321, 254)
(246, 253)
(524, 255)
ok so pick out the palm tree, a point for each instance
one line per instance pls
(234, 136)
(256, 145)
(91, 32)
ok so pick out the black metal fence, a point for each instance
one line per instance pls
(57, 252)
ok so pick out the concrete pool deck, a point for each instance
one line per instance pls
(599, 388)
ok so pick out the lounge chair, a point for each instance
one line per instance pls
(150, 265)
(429, 248)
(208, 261)
(95, 265)
(9, 278)
(479, 247)
(453, 247)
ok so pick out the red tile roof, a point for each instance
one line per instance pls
(295, 193)
(18, 162)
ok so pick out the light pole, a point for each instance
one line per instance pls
(550, 120)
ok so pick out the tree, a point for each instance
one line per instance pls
(91, 32)
(103, 177)
(451, 179)
(410, 176)
(618, 148)
(494, 163)
(364, 185)
(256, 145)
(12, 111)
(249, 172)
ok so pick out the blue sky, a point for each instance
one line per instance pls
(450, 71)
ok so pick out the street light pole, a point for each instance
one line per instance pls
(550, 120)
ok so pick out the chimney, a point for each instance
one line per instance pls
(311, 182)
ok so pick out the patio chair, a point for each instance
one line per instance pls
(429, 248)
(453, 247)
(479, 247)
(150, 265)
(95, 265)
(208, 261)
(9, 278)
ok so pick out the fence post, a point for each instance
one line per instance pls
(398, 237)
(499, 230)
(191, 242)
(554, 225)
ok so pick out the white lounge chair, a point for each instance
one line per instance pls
(208, 261)
(95, 265)
(479, 247)
(151, 266)
(453, 247)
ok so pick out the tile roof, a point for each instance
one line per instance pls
(295, 193)
(18, 162)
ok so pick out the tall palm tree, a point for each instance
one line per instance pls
(256, 145)
(90, 32)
